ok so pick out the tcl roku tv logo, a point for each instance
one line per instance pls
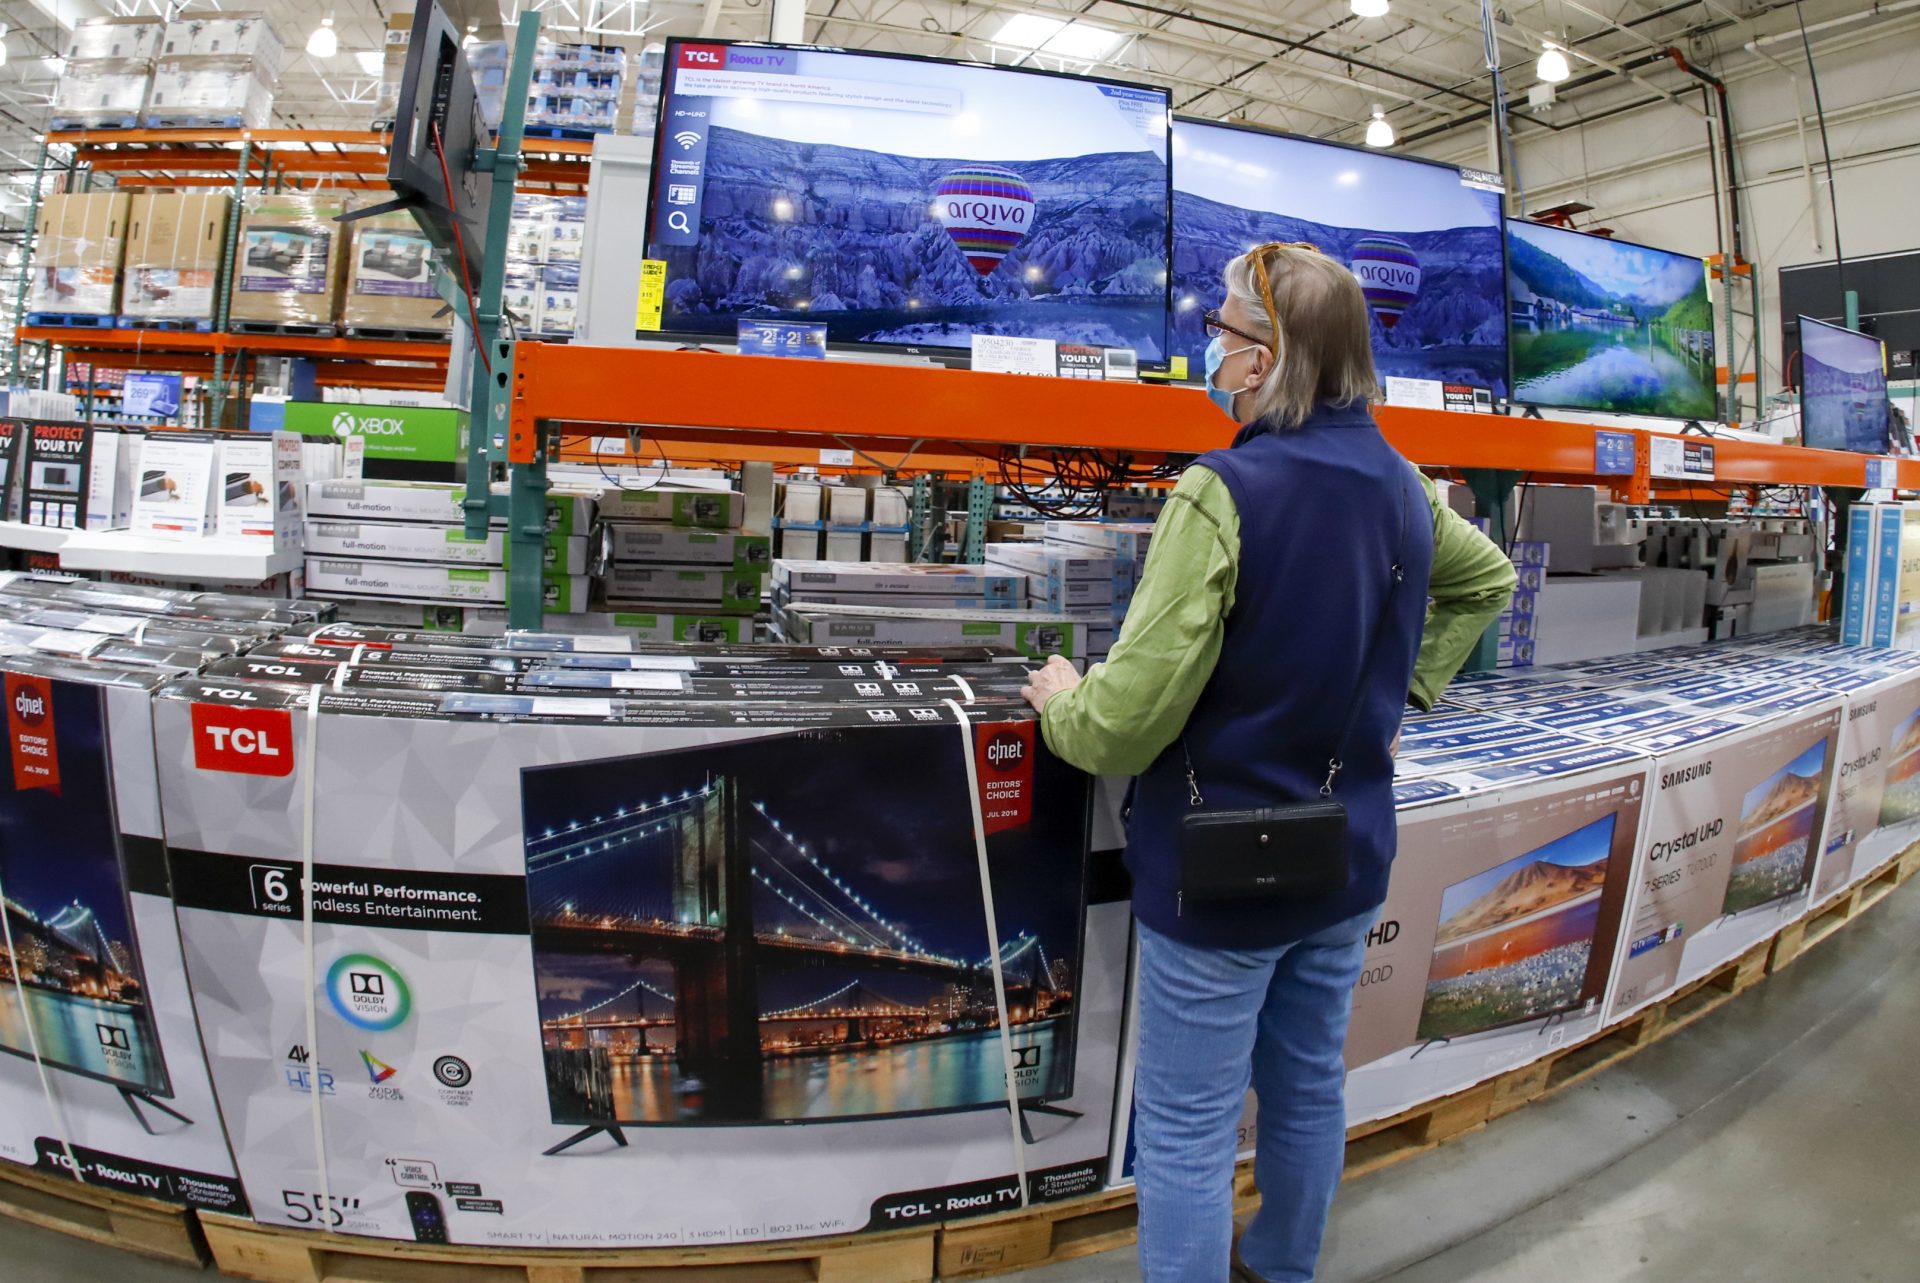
(247, 741)
(1006, 751)
(714, 56)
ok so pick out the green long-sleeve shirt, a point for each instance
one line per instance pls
(1126, 711)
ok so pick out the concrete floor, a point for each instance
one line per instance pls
(1773, 1140)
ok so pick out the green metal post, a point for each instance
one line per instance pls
(979, 512)
(223, 285)
(1853, 309)
(1491, 489)
(922, 510)
(26, 263)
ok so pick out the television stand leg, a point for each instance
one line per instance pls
(133, 1099)
(1431, 1042)
(1026, 1128)
(588, 1133)
(1531, 412)
(1556, 1018)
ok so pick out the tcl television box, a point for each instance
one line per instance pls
(103, 1073)
(258, 488)
(175, 241)
(78, 240)
(640, 974)
(77, 477)
(290, 260)
(175, 491)
(1739, 813)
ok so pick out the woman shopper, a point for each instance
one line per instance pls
(1268, 656)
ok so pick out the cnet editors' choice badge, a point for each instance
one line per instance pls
(30, 737)
(1003, 757)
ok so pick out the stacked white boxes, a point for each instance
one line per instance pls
(575, 89)
(109, 63)
(1080, 581)
(543, 263)
(818, 521)
(215, 71)
(679, 567)
(405, 541)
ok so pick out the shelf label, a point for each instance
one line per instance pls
(653, 296)
(1613, 453)
(836, 458)
(1675, 459)
(1882, 474)
(783, 338)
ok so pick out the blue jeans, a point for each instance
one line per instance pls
(1211, 1021)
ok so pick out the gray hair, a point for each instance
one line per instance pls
(1324, 350)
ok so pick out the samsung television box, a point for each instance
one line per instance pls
(102, 1074)
(591, 972)
(1496, 942)
(1739, 813)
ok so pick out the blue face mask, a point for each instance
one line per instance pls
(1216, 355)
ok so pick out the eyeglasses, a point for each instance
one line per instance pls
(1258, 254)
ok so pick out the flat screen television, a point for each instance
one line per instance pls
(1843, 388)
(1602, 324)
(74, 968)
(1780, 822)
(1516, 942)
(789, 931)
(1423, 238)
(908, 202)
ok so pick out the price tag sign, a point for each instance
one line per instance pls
(1613, 453)
(1882, 474)
(653, 296)
(1677, 460)
(783, 338)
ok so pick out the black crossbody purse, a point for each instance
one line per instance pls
(1292, 852)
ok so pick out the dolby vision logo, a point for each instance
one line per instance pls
(368, 993)
(343, 424)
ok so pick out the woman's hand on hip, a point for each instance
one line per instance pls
(1044, 683)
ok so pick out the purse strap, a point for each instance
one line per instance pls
(1397, 572)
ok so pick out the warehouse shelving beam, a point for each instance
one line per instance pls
(525, 504)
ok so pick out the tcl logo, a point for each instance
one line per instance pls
(30, 705)
(1006, 750)
(702, 56)
(249, 741)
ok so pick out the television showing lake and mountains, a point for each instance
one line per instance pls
(1424, 244)
(995, 202)
(1779, 825)
(1515, 942)
(1603, 325)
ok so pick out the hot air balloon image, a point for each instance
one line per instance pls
(1389, 274)
(986, 210)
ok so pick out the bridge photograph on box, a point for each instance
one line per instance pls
(713, 942)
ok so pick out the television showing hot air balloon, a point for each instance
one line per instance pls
(909, 203)
(1422, 238)
(1602, 324)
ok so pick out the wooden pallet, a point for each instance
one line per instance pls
(242, 1249)
(165, 1231)
(1795, 939)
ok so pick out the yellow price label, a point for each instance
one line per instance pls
(1177, 367)
(653, 294)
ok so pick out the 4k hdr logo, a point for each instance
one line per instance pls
(248, 741)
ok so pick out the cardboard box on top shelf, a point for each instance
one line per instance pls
(78, 242)
(390, 278)
(99, 39)
(174, 244)
(290, 262)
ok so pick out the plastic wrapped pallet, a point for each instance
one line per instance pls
(174, 244)
(232, 34)
(208, 93)
(290, 261)
(78, 241)
(390, 280)
(106, 94)
(115, 39)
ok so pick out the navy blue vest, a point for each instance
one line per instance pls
(1321, 516)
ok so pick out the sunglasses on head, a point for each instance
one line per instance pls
(1215, 327)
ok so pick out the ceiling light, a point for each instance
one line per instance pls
(1552, 66)
(3, 44)
(324, 42)
(1081, 41)
(1028, 31)
(1368, 8)
(372, 63)
(1379, 132)
(54, 66)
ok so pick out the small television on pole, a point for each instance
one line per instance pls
(437, 130)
